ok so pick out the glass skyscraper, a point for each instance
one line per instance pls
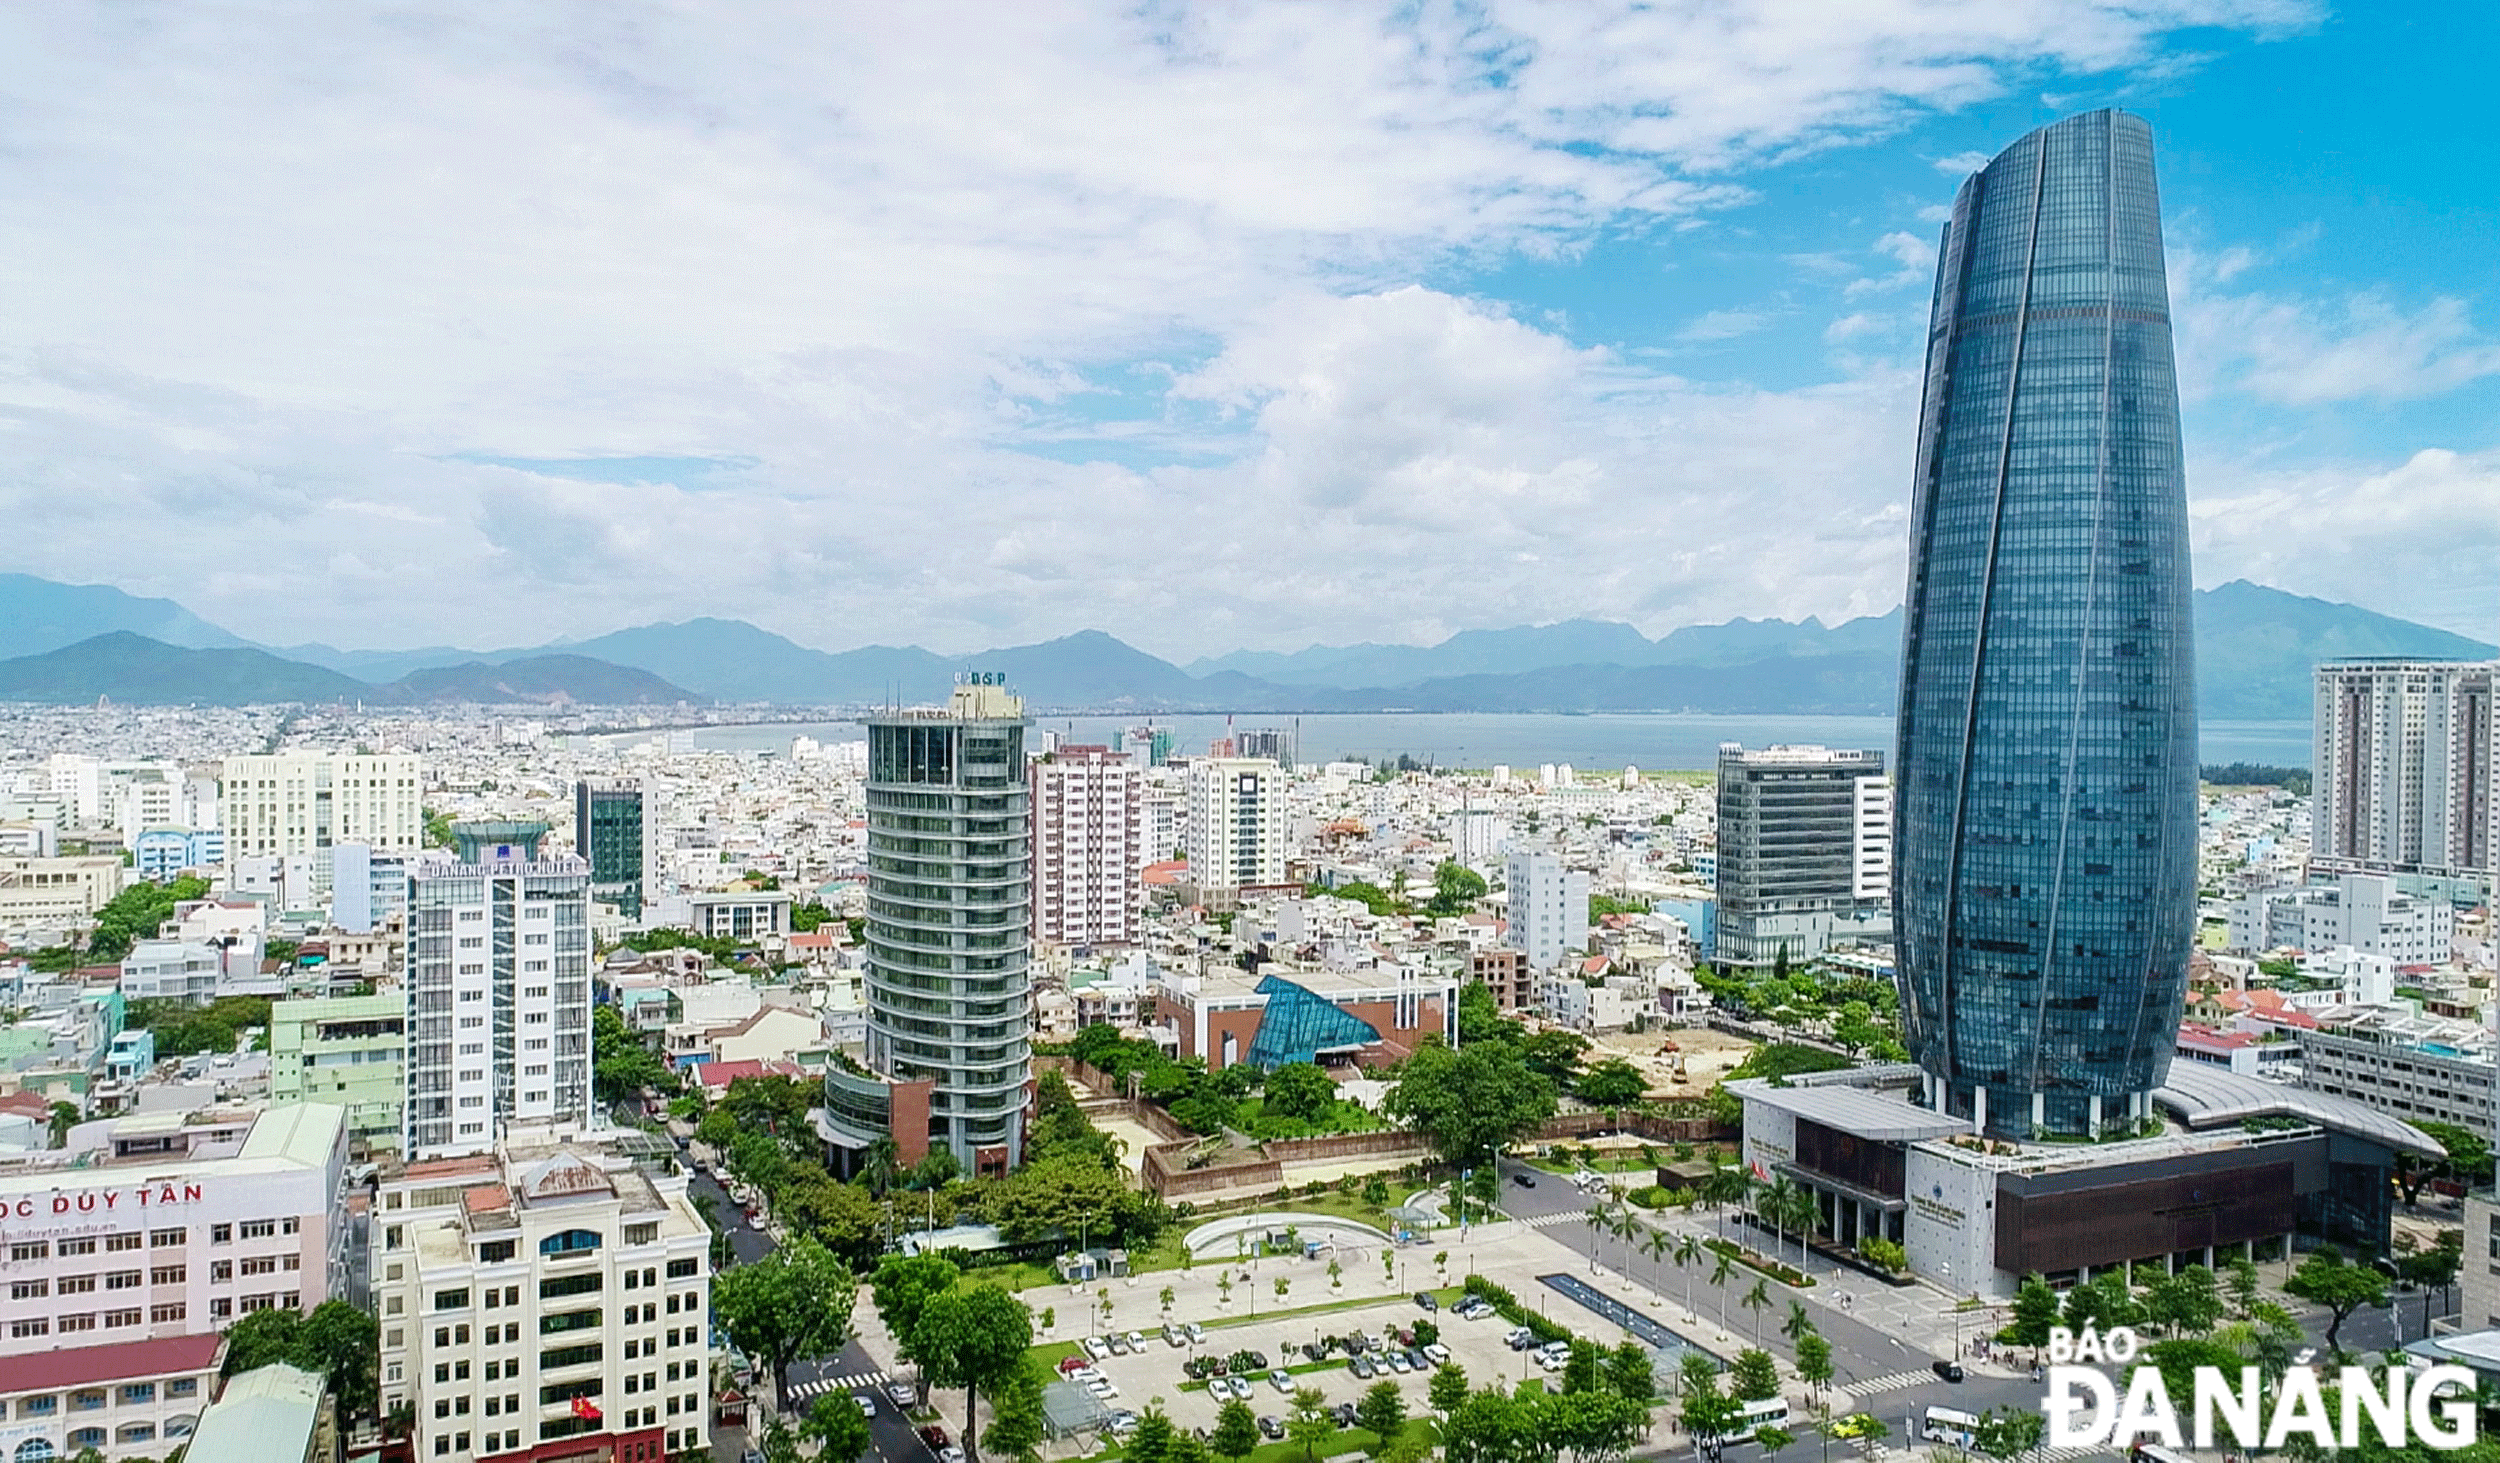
(2045, 813)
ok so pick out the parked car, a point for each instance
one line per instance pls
(1269, 1427)
(1399, 1364)
(1135, 1341)
(1172, 1335)
(1123, 1422)
(1436, 1353)
(1281, 1380)
(903, 1395)
(1097, 1348)
(934, 1438)
(1069, 1365)
(1361, 1366)
(1345, 1414)
(1425, 1299)
(1118, 1344)
(1951, 1371)
(1195, 1332)
(1520, 1338)
(751, 1455)
(1417, 1360)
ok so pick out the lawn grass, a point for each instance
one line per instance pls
(1049, 1354)
(1336, 1445)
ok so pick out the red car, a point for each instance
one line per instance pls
(1069, 1365)
(935, 1437)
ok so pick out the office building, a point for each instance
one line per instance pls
(740, 913)
(163, 854)
(1236, 823)
(612, 828)
(35, 890)
(1547, 907)
(2360, 912)
(498, 989)
(950, 997)
(303, 802)
(546, 1300)
(1089, 848)
(349, 1051)
(124, 1399)
(173, 1223)
(1805, 852)
(2045, 780)
(2243, 1168)
(2418, 1068)
(2404, 781)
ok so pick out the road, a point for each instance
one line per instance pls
(847, 1371)
(1860, 1352)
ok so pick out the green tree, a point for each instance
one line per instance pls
(902, 1288)
(1480, 1017)
(620, 1063)
(2184, 1303)
(2326, 1279)
(972, 1339)
(1757, 1300)
(1018, 1426)
(1236, 1430)
(1706, 1412)
(1773, 1439)
(1586, 1367)
(2242, 1281)
(1382, 1410)
(1554, 1054)
(1755, 1376)
(1630, 1375)
(63, 1117)
(1612, 1083)
(834, 1421)
(2035, 1312)
(1454, 887)
(1300, 1090)
(793, 1303)
(336, 1341)
(2009, 1432)
(1448, 1388)
(1469, 1104)
(1814, 1359)
(1152, 1442)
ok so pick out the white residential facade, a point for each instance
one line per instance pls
(1236, 825)
(1089, 848)
(302, 803)
(2403, 758)
(1548, 907)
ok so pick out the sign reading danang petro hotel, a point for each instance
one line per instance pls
(150, 1198)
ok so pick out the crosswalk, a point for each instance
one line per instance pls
(1890, 1382)
(1548, 1221)
(802, 1391)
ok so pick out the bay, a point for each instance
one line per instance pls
(1654, 741)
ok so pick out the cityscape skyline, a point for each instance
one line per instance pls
(1521, 328)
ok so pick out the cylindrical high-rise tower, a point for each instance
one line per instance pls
(2044, 879)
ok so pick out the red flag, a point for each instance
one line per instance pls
(584, 1408)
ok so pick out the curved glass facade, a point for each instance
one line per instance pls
(949, 905)
(2045, 815)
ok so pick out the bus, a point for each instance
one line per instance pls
(1946, 1425)
(1769, 1412)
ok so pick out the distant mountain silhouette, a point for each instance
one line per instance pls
(37, 615)
(552, 679)
(2255, 649)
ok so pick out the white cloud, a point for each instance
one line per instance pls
(1962, 164)
(2361, 347)
(1723, 325)
(276, 280)
(1915, 256)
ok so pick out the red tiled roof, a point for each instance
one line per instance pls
(85, 1366)
(721, 1074)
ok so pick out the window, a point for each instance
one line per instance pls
(29, 1289)
(87, 1399)
(564, 1285)
(35, 1326)
(291, 1225)
(222, 1234)
(71, 1247)
(494, 1252)
(569, 1242)
(223, 1306)
(77, 1323)
(137, 1432)
(260, 1264)
(77, 1285)
(166, 1275)
(121, 1318)
(113, 1242)
(121, 1280)
(451, 1300)
(35, 1251)
(44, 1406)
(641, 1234)
(160, 1315)
(159, 1238)
(183, 1387)
(680, 1269)
(259, 1228)
(135, 1393)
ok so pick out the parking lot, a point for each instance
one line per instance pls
(1155, 1374)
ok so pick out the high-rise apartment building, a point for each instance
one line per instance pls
(2403, 771)
(1547, 907)
(292, 803)
(544, 1301)
(2045, 783)
(1089, 846)
(612, 829)
(1236, 822)
(1805, 852)
(1274, 743)
(498, 989)
(950, 995)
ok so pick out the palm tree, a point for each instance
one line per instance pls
(1718, 1278)
(881, 1166)
(1798, 1322)
(1804, 1216)
(1757, 1300)
(1688, 1254)
(1656, 1244)
(1771, 1206)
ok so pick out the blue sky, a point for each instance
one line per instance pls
(1212, 326)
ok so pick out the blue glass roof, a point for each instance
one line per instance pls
(1298, 1026)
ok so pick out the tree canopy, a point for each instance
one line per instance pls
(1470, 1103)
(336, 1341)
(971, 1339)
(795, 1302)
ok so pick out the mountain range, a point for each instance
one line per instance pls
(71, 643)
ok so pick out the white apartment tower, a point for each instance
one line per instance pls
(1236, 832)
(1089, 846)
(2402, 761)
(498, 984)
(294, 803)
(1548, 907)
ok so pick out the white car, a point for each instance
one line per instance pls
(867, 1404)
(1136, 1341)
(1097, 1348)
(1437, 1353)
